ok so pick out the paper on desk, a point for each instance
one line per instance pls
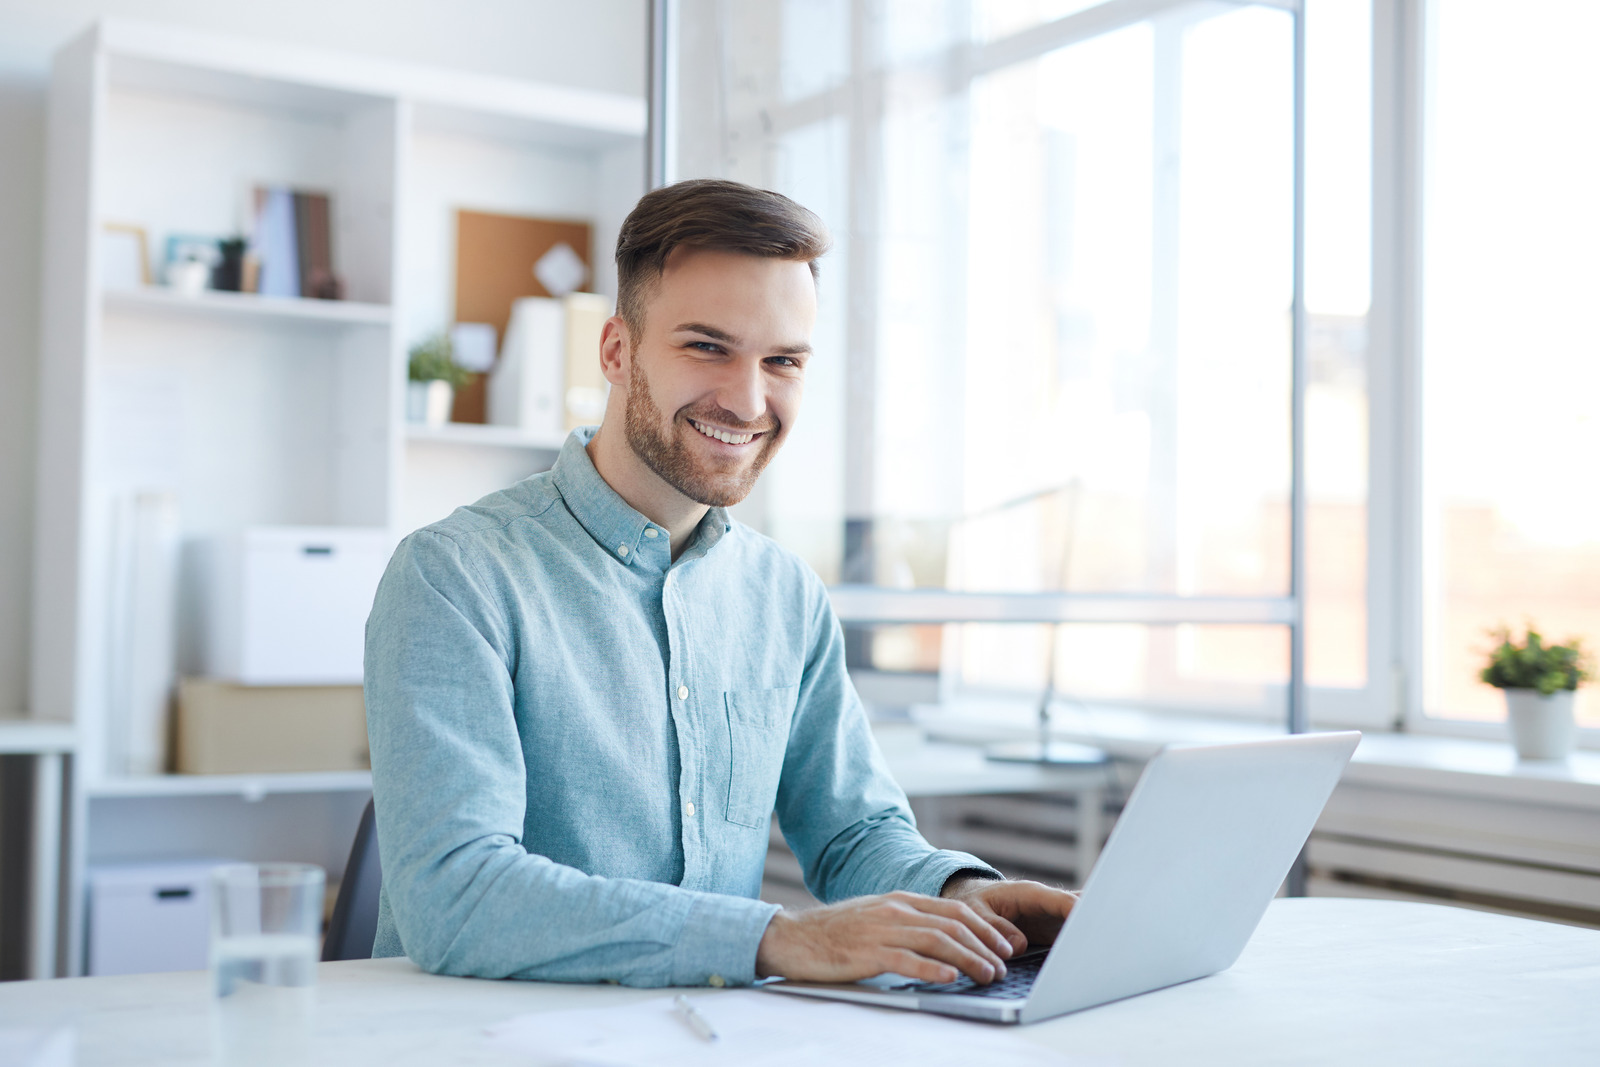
(775, 1031)
(37, 1047)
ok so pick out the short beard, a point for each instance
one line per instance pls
(667, 453)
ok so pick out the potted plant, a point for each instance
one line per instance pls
(1540, 681)
(434, 378)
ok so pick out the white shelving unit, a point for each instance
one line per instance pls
(462, 433)
(248, 786)
(255, 410)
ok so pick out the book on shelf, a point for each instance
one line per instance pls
(293, 241)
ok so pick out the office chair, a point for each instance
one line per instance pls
(354, 924)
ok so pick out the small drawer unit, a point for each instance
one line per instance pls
(150, 917)
(289, 604)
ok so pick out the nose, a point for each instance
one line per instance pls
(742, 391)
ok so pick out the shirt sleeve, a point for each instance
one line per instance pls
(449, 786)
(842, 813)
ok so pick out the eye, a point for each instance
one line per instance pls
(786, 362)
(704, 346)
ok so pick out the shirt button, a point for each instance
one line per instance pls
(622, 550)
(650, 531)
(716, 981)
(688, 809)
(683, 692)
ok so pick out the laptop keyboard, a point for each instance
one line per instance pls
(1020, 975)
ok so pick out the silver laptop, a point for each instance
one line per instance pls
(1198, 853)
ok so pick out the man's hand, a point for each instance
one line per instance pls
(928, 938)
(1023, 912)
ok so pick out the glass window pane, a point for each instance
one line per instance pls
(1083, 376)
(1511, 366)
(1230, 670)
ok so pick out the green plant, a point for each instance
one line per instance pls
(431, 360)
(1534, 664)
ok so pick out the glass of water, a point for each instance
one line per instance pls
(265, 921)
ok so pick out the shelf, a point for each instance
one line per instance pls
(35, 736)
(256, 73)
(472, 433)
(874, 604)
(248, 786)
(243, 307)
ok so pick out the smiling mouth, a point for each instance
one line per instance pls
(725, 436)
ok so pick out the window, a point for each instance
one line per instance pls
(1510, 362)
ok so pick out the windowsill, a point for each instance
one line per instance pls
(1468, 767)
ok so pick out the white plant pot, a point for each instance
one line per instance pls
(1542, 727)
(429, 402)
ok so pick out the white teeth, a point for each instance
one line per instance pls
(723, 435)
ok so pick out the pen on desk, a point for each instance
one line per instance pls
(696, 1021)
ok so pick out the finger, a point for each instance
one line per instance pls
(1041, 899)
(906, 962)
(961, 911)
(1030, 900)
(982, 940)
(1015, 939)
(966, 929)
(1037, 909)
(937, 944)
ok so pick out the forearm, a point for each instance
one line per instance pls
(498, 912)
(882, 854)
(968, 879)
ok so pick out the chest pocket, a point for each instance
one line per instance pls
(758, 732)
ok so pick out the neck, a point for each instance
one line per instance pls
(642, 488)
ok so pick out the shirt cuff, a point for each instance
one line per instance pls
(718, 942)
(930, 876)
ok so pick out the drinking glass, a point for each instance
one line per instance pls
(265, 919)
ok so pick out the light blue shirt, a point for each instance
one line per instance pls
(578, 743)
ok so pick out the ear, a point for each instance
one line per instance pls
(616, 349)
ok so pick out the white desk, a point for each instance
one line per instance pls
(1323, 982)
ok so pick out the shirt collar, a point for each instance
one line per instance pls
(615, 526)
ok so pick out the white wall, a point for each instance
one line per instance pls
(595, 44)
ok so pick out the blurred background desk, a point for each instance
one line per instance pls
(1322, 982)
(1027, 819)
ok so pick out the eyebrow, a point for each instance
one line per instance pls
(729, 339)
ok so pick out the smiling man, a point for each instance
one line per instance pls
(588, 693)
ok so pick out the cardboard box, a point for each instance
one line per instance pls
(237, 729)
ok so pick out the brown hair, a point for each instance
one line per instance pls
(708, 213)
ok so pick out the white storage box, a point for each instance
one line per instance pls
(150, 917)
(290, 603)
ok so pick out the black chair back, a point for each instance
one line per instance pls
(354, 924)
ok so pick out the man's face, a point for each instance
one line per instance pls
(714, 380)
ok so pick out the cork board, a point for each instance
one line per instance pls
(495, 255)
